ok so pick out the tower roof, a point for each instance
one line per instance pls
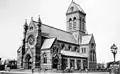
(74, 7)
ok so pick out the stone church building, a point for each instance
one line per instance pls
(48, 47)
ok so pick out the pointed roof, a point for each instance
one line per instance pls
(76, 7)
(86, 39)
(39, 20)
(48, 43)
(26, 22)
(25, 25)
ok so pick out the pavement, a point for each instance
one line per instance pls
(47, 72)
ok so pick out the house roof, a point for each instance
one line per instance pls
(86, 39)
(74, 54)
(48, 43)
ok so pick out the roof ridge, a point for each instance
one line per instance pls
(87, 35)
(54, 27)
(57, 28)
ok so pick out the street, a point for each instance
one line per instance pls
(11, 72)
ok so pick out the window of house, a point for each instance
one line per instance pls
(44, 58)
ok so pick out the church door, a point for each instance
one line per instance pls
(28, 63)
(55, 61)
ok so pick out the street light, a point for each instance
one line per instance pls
(114, 50)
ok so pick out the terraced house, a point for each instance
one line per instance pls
(48, 47)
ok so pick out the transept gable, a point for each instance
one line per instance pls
(48, 43)
(86, 39)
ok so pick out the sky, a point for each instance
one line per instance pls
(102, 20)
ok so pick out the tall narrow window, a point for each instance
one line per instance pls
(80, 24)
(75, 48)
(74, 23)
(44, 58)
(72, 9)
(83, 21)
(70, 24)
(69, 47)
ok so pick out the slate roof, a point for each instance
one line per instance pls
(77, 5)
(60, 34)
(63, 35)
(48, 43)
(86, 39)
(74, 54)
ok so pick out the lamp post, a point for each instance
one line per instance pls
(114, 50)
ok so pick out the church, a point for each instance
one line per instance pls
(48, 47)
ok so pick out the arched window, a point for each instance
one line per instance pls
(70, 24)
(62, 46)
(74, 23)
(69, 47)
(75, 48)
(70, 19)
(44, 57)
(92, 45)
(74, 18)
(91, 55)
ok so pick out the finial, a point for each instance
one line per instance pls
(39, 20)
(26, 22)
(31, 18)
(25, 25)
(72, 0)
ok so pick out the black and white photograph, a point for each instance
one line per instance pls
(59, 36)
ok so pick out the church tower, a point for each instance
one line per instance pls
(75, 17)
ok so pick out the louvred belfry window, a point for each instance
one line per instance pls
(70, 24)
(74, 23)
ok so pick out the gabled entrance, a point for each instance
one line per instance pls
(28, 61)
